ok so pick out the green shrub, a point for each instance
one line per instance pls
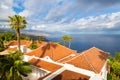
(33, 46)
(1, 46)
(109, 76)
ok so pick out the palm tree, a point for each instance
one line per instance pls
(17, 22)
(64, 38)
(12, 67)
(69, 40)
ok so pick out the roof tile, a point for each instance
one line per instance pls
(45, 65)
(92, 59)
(53, 50)
(70, 75)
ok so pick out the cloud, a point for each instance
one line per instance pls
(64, 11)
(6, 9)
(4, 6)
(25, 13)
(101, 23)
(65, 16)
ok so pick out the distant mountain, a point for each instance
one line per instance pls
(34, 32)
(31, 35)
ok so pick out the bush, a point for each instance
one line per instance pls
(109, 76)
(33, 46)
(1, 46)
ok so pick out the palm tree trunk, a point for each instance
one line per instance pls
(69, 44)
(18, 38)
(64, 43)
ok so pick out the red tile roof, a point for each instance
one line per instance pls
(69, 75)
(11, 49)
(45, 65)
(39, 44)
(22, 42)
(26, 43)
(92, 59)
(64, 60)
(53, 50)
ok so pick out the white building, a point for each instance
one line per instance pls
(88, 65)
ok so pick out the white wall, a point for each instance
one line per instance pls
(104, 71)
(102, 75)
(23, 49)
(36, 73)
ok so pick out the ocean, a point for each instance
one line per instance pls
(108, 43)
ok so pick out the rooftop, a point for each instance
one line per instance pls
(26, 43)
(92, 59)
(39, 44)
(70, 75)
(22, 42)
(45, 65)
(53, 50)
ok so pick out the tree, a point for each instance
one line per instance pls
(41, 38)
(69, 38)
(17, 22)
(12, 67)
(114, 64)
(8, 37)
(117, 56)
(116, 68)
(24, 37)
(1, 45)
(64, 38)
(109, 76)
(33, 46)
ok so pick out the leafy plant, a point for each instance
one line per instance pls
(33, 46)
(114, 63)
(1, 45)
(12, 67)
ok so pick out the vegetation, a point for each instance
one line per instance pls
(12, 67)
(17, 22)
(1, 45)
(7, 37)
(66, 38)
(114, 63)
(24, 37)
(33, 46)
(59, 43)
(41, 38)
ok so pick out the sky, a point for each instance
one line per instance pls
(65, 16)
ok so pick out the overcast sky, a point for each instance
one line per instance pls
(66, 16)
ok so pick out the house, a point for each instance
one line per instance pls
(14, 45)
(52, 50)
(25, 44)
(52, 61)
(94, 60)
(88, 65)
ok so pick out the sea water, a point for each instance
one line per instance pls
(81, 42)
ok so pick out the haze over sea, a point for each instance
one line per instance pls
(81, 42)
